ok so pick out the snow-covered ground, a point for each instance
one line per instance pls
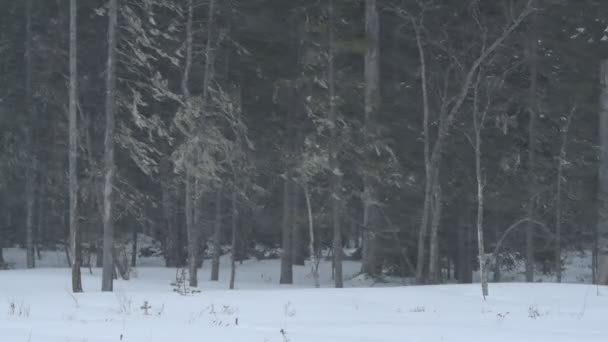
(37, 306)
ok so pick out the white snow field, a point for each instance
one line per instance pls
(37, 306)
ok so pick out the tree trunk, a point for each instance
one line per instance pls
(217, 236)
(478, 123)
(602, 226)
(109, 167)
(311, 246)
(371, 263)
(134, 247)
(335, 173)
(191, 230)
(73, 154)
(428, 186)
(434, 262)
(296, 231)
(561, 160)
(234, 238)
(286, 256)
(532, 110)
(30, 173)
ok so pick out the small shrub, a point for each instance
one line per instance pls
(533, 312)
(18, 309)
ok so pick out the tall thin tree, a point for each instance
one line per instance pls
(30, 173)
(333, 155)
(73, 154)
(602, 224)
(371, 262)
(107, 280)
(532, 59)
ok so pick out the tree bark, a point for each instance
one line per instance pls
(434, 262)
(478, 123)
(602, 225)
(372, 263)
(73, 154)
(286, 256)
(311, 246)
(428, 186)
(134, 247)
(298, 245)
(561, 160)
(234, 238)
(109, 166)
(191, 230)
(532, 110)
(30, 173)
(335, 173)
(217, 236)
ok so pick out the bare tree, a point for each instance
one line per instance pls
(602, 225)
(479, 118)
(234, 236)
(372, 264)
(109, 164)
(452, 106)
(335, 172)
(561, 160)
(30, 171)
(192, 230)
(532, 58)
(314, 260)
(217, 235)
(73, 153)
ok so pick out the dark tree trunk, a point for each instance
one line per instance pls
(134, 247)
(73, 155)
(533, 113)
(372, 262)
(109, 166)
(299, 245)
(30, 174)
(286, 256)
(335, 192)
(234, 238)
(217, 236)
(602, 225)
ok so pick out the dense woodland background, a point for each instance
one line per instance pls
(248, 123)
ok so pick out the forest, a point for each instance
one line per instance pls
(429, 139)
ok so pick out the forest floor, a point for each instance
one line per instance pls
(37, 306)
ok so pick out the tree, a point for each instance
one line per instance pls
(30, 174)
(109, 165)
(335, 172)
(73, 154)
(372, 263)
(533, 109)
(602, 225)
(217, 235)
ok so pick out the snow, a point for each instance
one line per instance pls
(38, 307)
